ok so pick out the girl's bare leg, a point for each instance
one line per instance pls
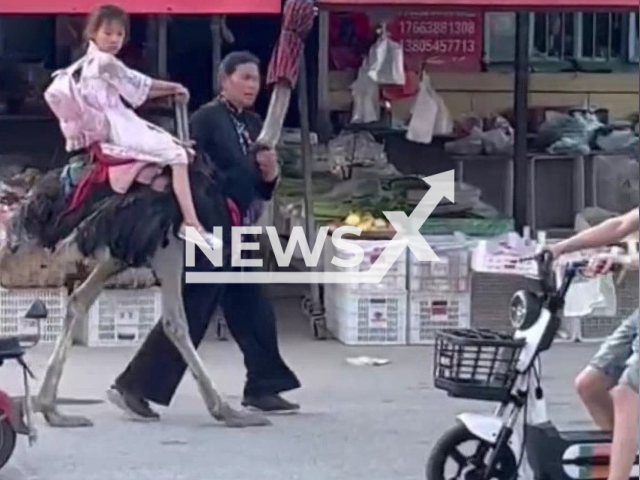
(182, 189)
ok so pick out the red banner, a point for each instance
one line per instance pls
(440, 41)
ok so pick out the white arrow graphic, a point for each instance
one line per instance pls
(408, 228)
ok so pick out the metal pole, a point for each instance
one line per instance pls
(521, 100)
(316, 310)
(323, 121)
(216, 55)
(163, 22)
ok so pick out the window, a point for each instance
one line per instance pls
(561, 38)
(552, 36)
(600, 36)
(634, 41)
(499, 37)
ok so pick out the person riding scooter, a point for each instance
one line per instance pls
(608, 386)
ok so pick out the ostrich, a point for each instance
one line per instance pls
(107, 229)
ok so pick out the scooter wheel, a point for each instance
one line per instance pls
(7, 441)
(447, 451)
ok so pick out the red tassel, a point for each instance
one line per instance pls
(98, 175)
(234, 213)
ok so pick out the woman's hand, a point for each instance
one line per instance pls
(268, 164)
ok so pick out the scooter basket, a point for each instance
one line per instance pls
(476, 364)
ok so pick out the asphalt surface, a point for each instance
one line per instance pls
(357, 423)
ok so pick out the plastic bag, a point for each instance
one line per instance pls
(366, 97)
(617, 182)
(430, 116)
(386, 61)
(499, 137)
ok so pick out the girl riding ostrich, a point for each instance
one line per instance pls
(96, 118)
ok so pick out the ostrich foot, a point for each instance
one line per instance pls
(56, 419)
(236, 419)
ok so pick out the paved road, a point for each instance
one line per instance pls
(358, 423)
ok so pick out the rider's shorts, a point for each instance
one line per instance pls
(630, 376)
(617, 358)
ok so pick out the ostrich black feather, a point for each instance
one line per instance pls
(132, 226)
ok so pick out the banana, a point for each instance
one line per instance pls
(352, 219)
(367, 223)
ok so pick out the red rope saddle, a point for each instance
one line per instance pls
(99, 174)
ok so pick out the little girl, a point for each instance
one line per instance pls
(105, 80)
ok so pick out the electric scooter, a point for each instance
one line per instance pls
(16, 413)
(499, 367)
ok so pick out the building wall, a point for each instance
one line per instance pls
(491, 92)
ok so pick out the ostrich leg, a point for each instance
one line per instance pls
(77, 309)
(168, 264)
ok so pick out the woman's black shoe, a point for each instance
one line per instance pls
(270, 404)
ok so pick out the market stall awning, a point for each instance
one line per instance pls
(210, 7)
(483, 4)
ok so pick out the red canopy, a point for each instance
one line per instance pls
(210, 7)
(484, 4)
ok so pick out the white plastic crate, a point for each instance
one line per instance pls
(367, 319)
(452, 274)
(596, 329)
(14, 304)
(121, 317)
(431, 312)
(395, 281)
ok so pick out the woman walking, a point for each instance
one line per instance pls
(225, 130)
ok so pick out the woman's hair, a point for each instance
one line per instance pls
(231, 62)
(105, 14)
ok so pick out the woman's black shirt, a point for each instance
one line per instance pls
(223, 133)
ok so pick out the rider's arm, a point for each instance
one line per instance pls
(132, 85)
(161, 88)
(610, 231)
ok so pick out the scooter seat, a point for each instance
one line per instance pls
(10, 348)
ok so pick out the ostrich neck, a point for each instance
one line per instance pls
(278, 106)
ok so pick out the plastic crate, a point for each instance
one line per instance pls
(430, 313)
(14, 304)
(491, 295)
(121, 317)
(367, 319)
(451, 274)
(394, 281)
(596, 328)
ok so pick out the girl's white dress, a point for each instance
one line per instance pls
(103, 84)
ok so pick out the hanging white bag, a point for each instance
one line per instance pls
(386, 61)
(423, 114)
(444, 122)
(366, 97)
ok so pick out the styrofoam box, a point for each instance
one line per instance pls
(368, 318)
(14, 303)
(431, 312)
(121, 317)
(452, 274)
(395, 279)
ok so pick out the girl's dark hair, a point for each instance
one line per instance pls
(231, 62)
(105, 14)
